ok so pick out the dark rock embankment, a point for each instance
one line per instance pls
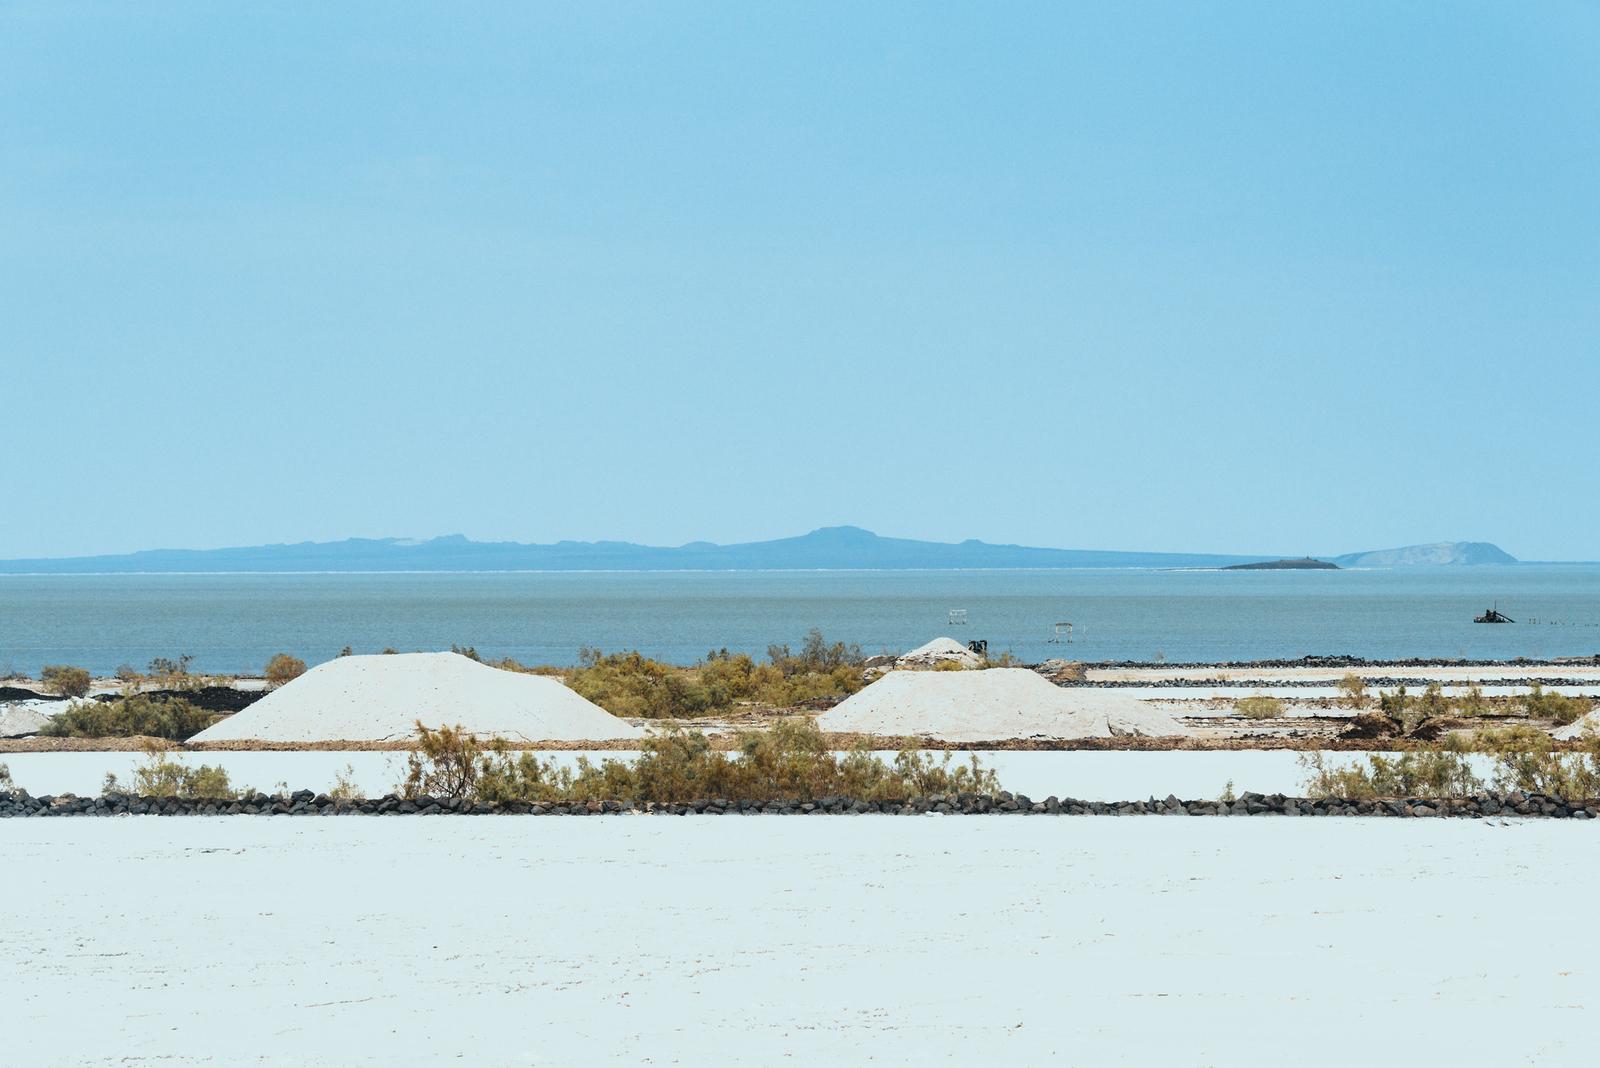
(20, 693)
(1345, 661)
(205, 698)
(306, 803)
(1411, 683)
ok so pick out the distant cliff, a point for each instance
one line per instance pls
(1444, 553)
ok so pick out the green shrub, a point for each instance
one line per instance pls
(284, 668)
(632, 684)
(1424, 773)
(138, 714)
(1354, 690)
(816, 655)
(1524, 759)
(1409, 712)
(1431, 704)
(1473, 703)
(161, 776)
(65, 680)
(789, 762)
(1259, 707)
(173, 674)
(1559, 707)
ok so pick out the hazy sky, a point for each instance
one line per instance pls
(1237, 277)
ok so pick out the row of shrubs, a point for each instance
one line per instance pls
(134, 714)
(1521, 757)
(1409, 711)
(790, 762)
(632, 684)
(65, 680)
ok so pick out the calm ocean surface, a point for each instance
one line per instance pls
(232, 623)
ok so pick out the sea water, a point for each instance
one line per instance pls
(233, 623)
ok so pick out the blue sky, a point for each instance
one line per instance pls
(1237, 277)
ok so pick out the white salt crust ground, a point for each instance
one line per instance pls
(381, 698)
(972, 706)
(757, 940)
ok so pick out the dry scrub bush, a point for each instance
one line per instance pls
(1559, 707)
(632, 684)
(284, 668)
(65, 680)
(161, 776)
(1354, 690)
(1524, 759)
(137, 714)
(173, 674)
(344, 787)
(1473, 703)
(1259, 707)
(5, 778)
(790, 762)
(1409, 712)
(1425, 773)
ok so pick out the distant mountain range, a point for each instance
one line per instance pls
(834, 548)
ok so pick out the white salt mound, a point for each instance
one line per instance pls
(24, 718)
(381, 698)
(1577, 727)
(938, 651)
(992, 705)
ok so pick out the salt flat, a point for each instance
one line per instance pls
(1155, 940)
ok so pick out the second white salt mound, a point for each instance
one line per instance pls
(994, 705)
(381, 698)
(939, 651)
(1579, 727)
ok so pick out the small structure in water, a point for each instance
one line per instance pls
(1494, 615)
